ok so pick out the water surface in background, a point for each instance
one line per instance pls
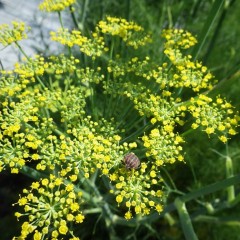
(38, 38)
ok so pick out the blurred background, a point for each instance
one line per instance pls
(40, 23)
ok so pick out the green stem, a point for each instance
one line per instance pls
(1, 65)
(70, 51)
(40, 81)
(170, 179)
(230, 221)
(85, 195)
(170, 219)
(73, 17)
(187, 132)
(22, 51)
(108, 215)
(127, 111)
(27, 57)
(229, 174)
(136, 133)
(60, 19)
(169, 13)
(135, 122)
(209, 207)
(185, 220)
(84, 13)
(92, 211)
(32, 173)
(93, 102)
(108, 102)
(58, 132)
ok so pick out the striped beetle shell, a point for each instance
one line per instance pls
(131, 161)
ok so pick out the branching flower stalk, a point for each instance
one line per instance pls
(72, 121)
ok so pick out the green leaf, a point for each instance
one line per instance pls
(216, 8)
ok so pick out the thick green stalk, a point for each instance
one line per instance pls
(185, 220)
(229, 173)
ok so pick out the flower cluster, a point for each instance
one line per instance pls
(135, 66)
(63, 36)
(164, 146)
(31, 68)
(186, 73)
(9, 85)
(15, 144)
(214, 117)
(10, 35)
(159, 108)
(87, 150)
(51, 205)
(140, 191)
(13, 156)
(93, 46)
(131, 33)
(55, 5)
(178, 38)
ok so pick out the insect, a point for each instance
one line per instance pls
(131, 161)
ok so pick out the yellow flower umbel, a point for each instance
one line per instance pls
(9, 85)
(10, 35)
(214, 116)
(65, 37)
(185, 72)
(178, 38)
(31, 67)
(8, 150)
(52, 206)
(55, 5)
(162, 108)
(163, 146)
(93, 46)
(131, 33)
(139, 190)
